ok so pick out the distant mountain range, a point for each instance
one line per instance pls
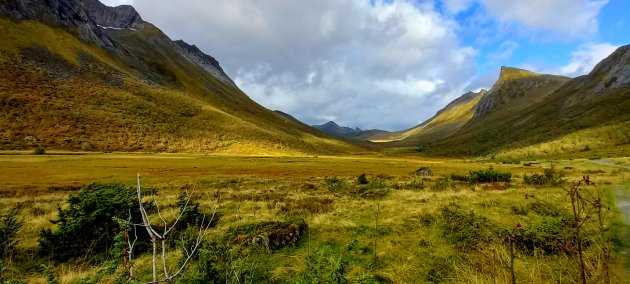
(333, 128)
(79, 75)
(532, 114)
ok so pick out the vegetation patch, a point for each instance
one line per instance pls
(466, 230)
(483, 176)
(89, 223)
(269, 235)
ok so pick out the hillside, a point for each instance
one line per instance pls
(78, 75)
(529, 115)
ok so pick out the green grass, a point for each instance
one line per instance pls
(407, 223)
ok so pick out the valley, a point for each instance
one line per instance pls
(386, 232)
(129, 157)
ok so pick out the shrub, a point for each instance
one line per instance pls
(39, 150)
(362, 179)
(551, 235)
(88, 225)
(489, 175)
(9, 227)
(483, 176)
(466, 230)
(549, 177)
(336, 185)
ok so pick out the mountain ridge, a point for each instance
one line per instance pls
(70, 84)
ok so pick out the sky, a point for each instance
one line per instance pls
(387, 64)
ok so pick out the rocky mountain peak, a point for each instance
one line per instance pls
(209, 63)
(65, 13)
(614, 71)
(120, 17)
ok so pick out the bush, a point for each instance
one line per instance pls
(88, 225)
(336, 185)
(483, 176)
(362, 179)
(9, 227)
(466, 230)
(551, 235)
(489, 175)
(549, 177)
(39, 151)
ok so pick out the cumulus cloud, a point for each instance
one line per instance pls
(573, 18)
(586, 57)
(385, 64)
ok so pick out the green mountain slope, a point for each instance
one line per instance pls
(530, 115)
(112, 82)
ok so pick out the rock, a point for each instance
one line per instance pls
(423, 172)
(209, 63)
(120, 17)
(65, 13)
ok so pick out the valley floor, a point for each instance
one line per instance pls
(393, 227)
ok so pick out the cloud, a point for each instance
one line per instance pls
(385, 64)
(457, 6)
(114, 3)
(586, 57)
(571, 18)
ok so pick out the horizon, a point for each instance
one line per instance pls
(394, 64)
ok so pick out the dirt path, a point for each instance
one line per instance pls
(608, 163)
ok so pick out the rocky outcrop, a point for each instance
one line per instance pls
(207, 62)
(65, 13)
(120, 17)
(613, 72)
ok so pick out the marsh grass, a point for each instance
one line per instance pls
(413, 240)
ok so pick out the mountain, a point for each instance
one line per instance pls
(527, 115)
(334, 129)
(79, 75)
(444, 123)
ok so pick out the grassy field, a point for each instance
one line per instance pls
(396, 228)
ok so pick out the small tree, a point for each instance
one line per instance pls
(160, 238)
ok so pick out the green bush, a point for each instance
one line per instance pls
(489, 175)
(483, 176)
(88, 225)
(466, 230)
(549, 177)
(550, 235)
(362, 179)
(39, 150)
(9, 227)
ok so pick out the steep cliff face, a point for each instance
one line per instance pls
(209, 63)
(66, 13)
(120, 17)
